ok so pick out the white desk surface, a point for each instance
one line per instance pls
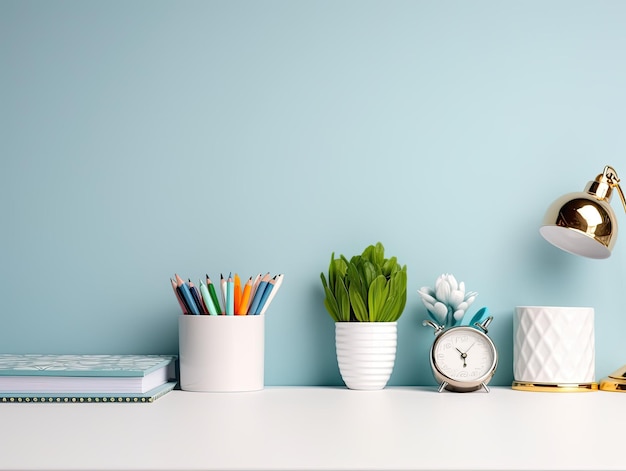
(305, 428)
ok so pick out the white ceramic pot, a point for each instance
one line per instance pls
(554, 345)
(366, 353)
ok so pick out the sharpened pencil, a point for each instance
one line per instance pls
(237, 294)
(255, 285)
(213, 294)
(178, 296)
(197, 297)
(266, 292)
(278, 280)
(208, 300)
(258, 294)
(193, 309)
(223, 292)
(230, 296)
(245, 298)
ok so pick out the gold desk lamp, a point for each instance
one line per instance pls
(584, 223)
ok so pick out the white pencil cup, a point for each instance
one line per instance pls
(221, 353)
(554, 349)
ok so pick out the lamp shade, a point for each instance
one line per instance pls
(580, 225)
(583, 223)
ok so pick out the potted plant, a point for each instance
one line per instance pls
(365, 296)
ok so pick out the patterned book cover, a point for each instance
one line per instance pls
(88, 398)
(87, 374)
(81, 365)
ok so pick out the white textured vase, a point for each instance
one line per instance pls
(553, 344)
(366, 353)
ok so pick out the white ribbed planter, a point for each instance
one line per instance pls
(366, 353)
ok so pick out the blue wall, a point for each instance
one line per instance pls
(139, 139)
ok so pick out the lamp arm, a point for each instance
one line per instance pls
(621, 194)
(613, 180)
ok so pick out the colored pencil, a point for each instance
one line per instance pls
(193, 309)
(245, 298)
(208, 301)
(237, 288)
(197, 297)
(266, 292)
(230, 296)
(278, 280)
(258, 294)
(213, 294)
(223, 292)
(178, 296)
(255, 285)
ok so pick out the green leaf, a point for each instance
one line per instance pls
(378, 254)
(398, 282)
(354, 276)
(324, 283)
(390, 266)
(370, 272)
(329, 300)
(355, 260)
(368, 252)
(343, 300)
(358, 305)
(391, 311)
(336, 269)
(331, 305)
(332, 271)
(396, 302)
(376, 296)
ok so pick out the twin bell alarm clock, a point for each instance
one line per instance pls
(463, 358)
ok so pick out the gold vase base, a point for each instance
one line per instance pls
(611, 384)
(615, 382)
(554, 387)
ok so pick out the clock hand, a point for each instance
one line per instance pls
(463, 355)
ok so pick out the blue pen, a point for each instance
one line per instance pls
(254, 305)
(184, 289)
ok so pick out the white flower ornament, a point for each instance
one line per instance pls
(447, 302)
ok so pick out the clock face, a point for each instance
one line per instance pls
(464, 354)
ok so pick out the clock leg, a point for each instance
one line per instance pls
(442, 386)
(485, 387)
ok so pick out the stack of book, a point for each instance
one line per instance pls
(85, 378)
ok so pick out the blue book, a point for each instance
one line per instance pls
(75, 375)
